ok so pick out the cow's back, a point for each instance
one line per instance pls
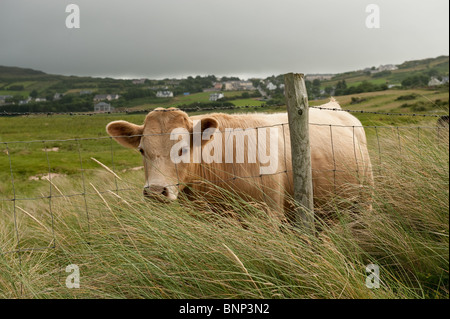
(339, 156)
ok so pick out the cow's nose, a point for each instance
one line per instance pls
(155, 190)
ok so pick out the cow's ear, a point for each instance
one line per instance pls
(127, 134)
(209, 122)
(200, 126)
(205, 124)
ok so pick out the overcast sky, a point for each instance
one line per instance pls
(174, 38)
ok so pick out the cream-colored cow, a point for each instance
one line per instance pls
(339, 155)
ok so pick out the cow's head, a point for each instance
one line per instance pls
(164, 178)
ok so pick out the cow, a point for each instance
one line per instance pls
(339, 155)
(443, 121)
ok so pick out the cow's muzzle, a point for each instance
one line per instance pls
(158, 192)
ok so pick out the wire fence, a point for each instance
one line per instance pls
(203, 109)
(42, 164)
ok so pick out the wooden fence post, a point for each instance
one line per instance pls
(298, 115)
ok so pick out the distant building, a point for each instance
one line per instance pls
(230, 86)
(103, 107)
(270, 86)
(381, 68)
(109, 97)
(238, 86)
(57, 96)
(216, 96)
(387, 67)
(3, 98)
(140, 81)
(216, 87)
(164, 94)
(83, 92)
(173, 82)
(40, 99)
(22, 102)
(246, 85)
(100, 97)
(444, 79)
(321, 77)
(434, 81)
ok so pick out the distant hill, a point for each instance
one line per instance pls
(432, 66)
(13, 72)
(439, 62)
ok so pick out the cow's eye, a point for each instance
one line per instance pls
(142, 151)
(183, 151)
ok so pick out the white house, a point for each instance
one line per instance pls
(109, 97)
(22, 102)
(434, 81)
(216, 96)
(386, 67)
(103, 107)
(57, 96)
(165, 94)
(271, 86)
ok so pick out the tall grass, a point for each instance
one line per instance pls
(135, 248)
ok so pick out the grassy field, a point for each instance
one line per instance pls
(128, 247)
(28, 87)
(203, 97)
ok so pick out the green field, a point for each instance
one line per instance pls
(29, 86)
(202, 97)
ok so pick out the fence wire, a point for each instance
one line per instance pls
(217, 108)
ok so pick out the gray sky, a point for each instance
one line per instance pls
(174, 38)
